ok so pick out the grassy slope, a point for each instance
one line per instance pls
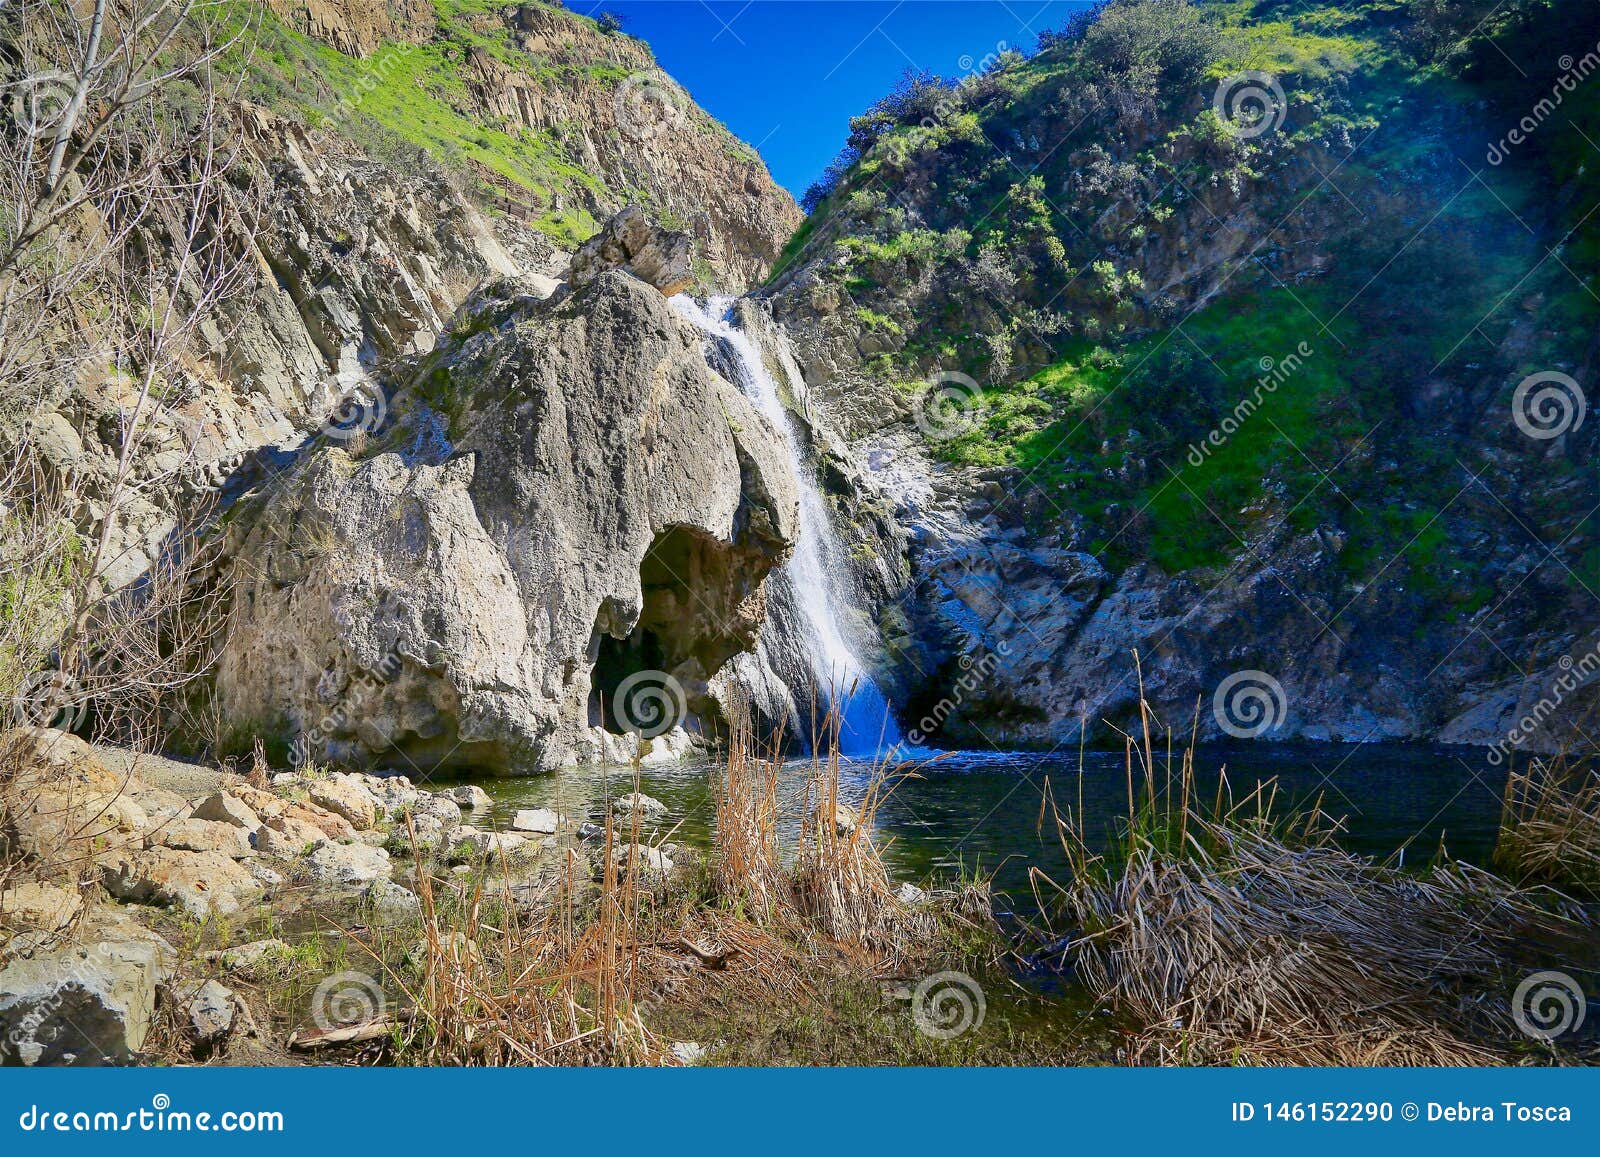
(411, 99)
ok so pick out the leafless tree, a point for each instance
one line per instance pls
(121, 234)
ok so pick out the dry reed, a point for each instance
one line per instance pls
(1550, 826)
(1229, 935)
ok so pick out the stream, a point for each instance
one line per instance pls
(980, 811)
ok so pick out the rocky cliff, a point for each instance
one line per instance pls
(541, 115)
(1207, 333)
(564, 531)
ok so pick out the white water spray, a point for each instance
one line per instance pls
(866, 724)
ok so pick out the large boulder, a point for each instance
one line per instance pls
(86, 1001)
(660, 257)
(569, 498)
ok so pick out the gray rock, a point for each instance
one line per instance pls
(391, 902)
(348, 864)
(392, 793)
(269, 878)
(208, 1010)
(87, 1002)
(469, 796)
(647, 806)
(911, 895)
(539, 821)
(248, 958)
(468, 843)
(599, 479)
(688, 1052)
(651, 864)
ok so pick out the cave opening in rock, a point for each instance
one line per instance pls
(616, 661)
(692, 619)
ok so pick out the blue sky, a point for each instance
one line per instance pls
(787, 75)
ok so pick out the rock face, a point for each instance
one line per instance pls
(535, 70)
(359, 258)
(568, 526)
(658, 257)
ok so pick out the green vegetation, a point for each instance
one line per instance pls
(415, 103)
(1032, 224)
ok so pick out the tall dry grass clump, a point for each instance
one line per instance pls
(518, 979)
(1550, 826)
(832, 880)
(1232, 935)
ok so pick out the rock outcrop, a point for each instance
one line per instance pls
(568, 526)
(658, 257)
(615, 128)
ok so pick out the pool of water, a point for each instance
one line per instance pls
(987, 811)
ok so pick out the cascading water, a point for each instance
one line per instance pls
(866, 724)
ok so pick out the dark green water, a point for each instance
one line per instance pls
(981, 811)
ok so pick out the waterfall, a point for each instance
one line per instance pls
(815, 571)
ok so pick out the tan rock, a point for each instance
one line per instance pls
(342, 796)
(66, 828)
(203, 884)
(287, 837)
(629, 241)
(45, 757)
(331, 826)
(35, 905)
(225, 807)
(203, 836)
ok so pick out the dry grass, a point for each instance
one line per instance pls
(1229, 935)
(1550, 826)
(576, 973)
(833, 883)
(522, 981)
